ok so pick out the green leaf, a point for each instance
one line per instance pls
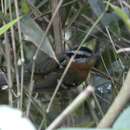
(89, 129)
(25, 7)
(33, 33)
(123, 120)
(122, 14)
(98, 8)
(8, 26)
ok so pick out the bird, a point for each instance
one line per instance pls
(78, 71)
(84, 60)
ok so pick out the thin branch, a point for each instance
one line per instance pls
(29, 99)
(47, 30)
(76, 103)
(71, 59)
(14, 46)
(20, 88)
(57, 29)
(118, 104)
(7, 56)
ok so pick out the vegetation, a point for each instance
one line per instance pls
(36, 34)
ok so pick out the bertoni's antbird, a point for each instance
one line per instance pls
(79, 69)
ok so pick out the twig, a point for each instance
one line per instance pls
(98, 104)
(29, 99)
(20, 89)
(7, 56)
(92, 112)
(71, 59)
(50, 11)
(57, 29)
(14, 47)
(76, 103)
(118, 105)
(47, 30)
(42, 40)
(104, 75)
(123, 50)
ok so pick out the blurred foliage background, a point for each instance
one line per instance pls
(40, 38)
